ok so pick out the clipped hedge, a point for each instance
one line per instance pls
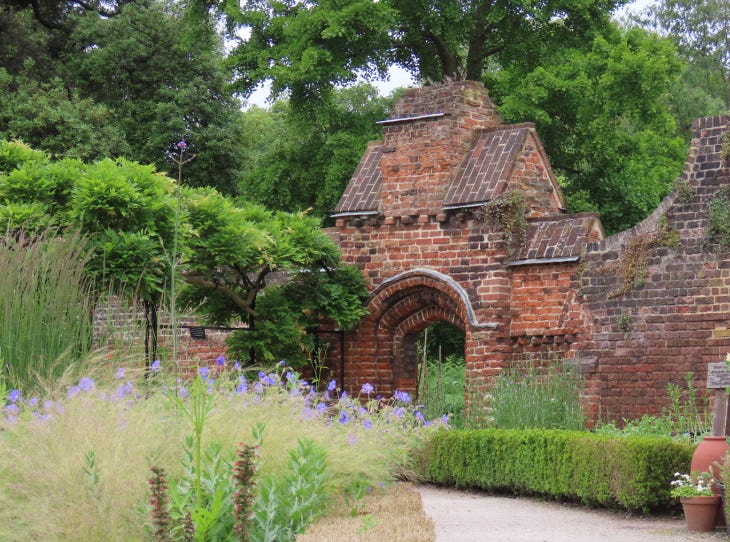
(630, 473)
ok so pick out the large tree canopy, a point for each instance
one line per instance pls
(128, 85)
(306, 47)
(603, 118)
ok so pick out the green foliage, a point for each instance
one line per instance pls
(545, 395)
(700, 28)
(299, 159)
(601, 114)
(46, 114)
(288, 502)
(233, 253)
(129, 85)
(626, 473)
(441, 389)
(718, 219)
(508, 213)
(310, 48)
(45, 305)
(688, 416)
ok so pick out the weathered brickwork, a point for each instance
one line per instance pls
(635, 311)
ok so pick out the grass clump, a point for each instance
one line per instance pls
(45, 305)
(441, 389)
(687, 417)
(540, 395)
(75, 464)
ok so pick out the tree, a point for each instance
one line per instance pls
(277, 272)
(306, 48)
(603, 118)
(701, 31)
(48, 116)
(299, 161)
(129, 85)
(126, 210)
(163, 82)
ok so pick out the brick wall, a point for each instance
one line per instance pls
(635, 311)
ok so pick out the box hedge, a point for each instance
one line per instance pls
(630, 473)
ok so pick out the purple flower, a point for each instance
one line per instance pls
(419, 416)
(291, 377)
(182, 146)
(220, 361)
(183, 392)
(203, 372)
(332, 385)
(86, 384)
(282, 363)
(33, 401)
(398, 412)
(367, 389)
(321, 407)
(237, 366)
(367, 423)
(14, 396)
(402, 396)
(155, 366)
(73, 391)
(119, 374)
(344, 417)
(12, 408)
(242, 386)
(124, 390)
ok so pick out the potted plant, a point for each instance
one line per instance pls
(699, 502)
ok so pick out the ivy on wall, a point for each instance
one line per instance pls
(634, 260)
(718, 219)
(508, 213)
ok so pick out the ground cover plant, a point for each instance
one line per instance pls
(76, 462)
(687, 416)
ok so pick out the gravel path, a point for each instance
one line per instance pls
(462, 516)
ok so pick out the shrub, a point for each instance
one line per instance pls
(632, 473)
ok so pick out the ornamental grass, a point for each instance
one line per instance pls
(76, 461)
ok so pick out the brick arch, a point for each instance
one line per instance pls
(403, 307)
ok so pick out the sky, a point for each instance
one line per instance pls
(398, 77)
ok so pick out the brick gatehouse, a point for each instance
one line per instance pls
(429, 217)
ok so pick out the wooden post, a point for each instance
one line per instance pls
(718, 379)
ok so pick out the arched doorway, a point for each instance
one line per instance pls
(401, 309)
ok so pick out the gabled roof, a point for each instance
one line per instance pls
(485, 171)
(362, 195)
(561, 238)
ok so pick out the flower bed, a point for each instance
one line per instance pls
(75, 465)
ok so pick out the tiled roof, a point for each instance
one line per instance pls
(559, 237)
(483, 174)
(362, 194)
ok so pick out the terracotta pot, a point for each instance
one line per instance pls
(700, 513)
(708, 452)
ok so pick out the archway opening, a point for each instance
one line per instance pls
(441, 372)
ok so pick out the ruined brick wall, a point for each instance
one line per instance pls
(672, 316)
(635, 311)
